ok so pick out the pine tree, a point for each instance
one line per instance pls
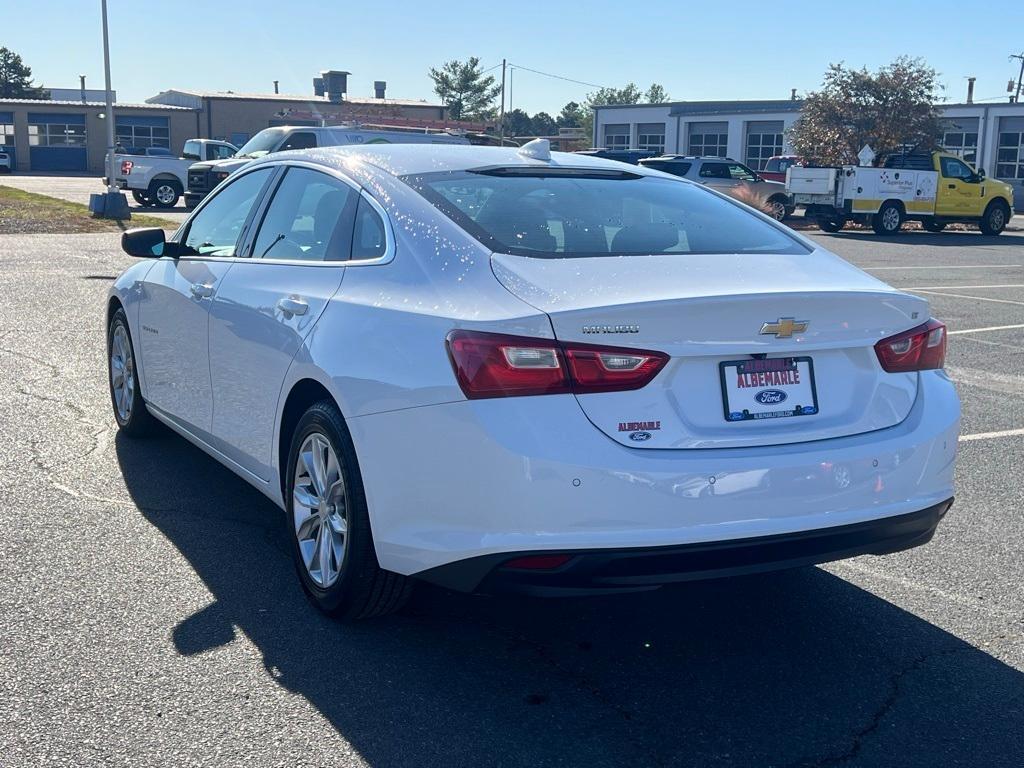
(16, 77)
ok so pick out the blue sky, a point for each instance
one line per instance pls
(697, 50)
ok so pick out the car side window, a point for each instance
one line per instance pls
(368, 239)
(220, 152)
(299, 140)
(308, 219)
(216, 227)
(955, 169)
(741, 172)
(715, 171)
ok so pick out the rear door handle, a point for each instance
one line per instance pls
(201, 290)
(292, 305)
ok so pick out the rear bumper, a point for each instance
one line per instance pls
(471, 479)
(624, 570)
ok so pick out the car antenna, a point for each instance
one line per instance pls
(538, 149)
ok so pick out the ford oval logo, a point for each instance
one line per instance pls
(640, 436)
(770, 396)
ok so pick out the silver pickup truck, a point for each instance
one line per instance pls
(159, 178)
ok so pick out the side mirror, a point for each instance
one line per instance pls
(147, 243)
(981, 173)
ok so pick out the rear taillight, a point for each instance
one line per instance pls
(126, 167)
(496, 365)
(919, 349)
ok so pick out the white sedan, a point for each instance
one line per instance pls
(498, 369)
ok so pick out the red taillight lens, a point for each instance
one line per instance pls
(919, 349)
(496, 365)
(126, 166)
(605, 369)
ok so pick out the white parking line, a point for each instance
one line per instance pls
(990, 435)
(964, 296)
(948, 266)
(983, 330)
(954, 287)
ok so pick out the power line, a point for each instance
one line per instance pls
(556, 77)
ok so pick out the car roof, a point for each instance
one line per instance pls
(410, 159)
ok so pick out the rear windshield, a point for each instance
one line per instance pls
(566, 214)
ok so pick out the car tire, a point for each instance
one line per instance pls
(324, 497)
(164, 193)
(777, 208)
(995, 218)
(130, 412)
(888, 220)
(933, 226)
(831, 223)
(141, 199)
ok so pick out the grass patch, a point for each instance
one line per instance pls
(28, 213)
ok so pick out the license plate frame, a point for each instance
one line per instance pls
(776, 364)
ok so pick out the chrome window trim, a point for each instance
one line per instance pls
(389, 234)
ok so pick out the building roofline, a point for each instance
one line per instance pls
(103, 104)
(292, 97)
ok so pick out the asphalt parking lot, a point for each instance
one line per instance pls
(150, 614)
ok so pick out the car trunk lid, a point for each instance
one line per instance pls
(708, 312)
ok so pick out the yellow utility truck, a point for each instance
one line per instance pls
(935, 188)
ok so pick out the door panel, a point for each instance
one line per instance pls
(174, 320)
(263, 313)
(253, 339)
(957, 196)
(174, 316)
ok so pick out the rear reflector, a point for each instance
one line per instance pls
(538, 562)
(920, 349)
(496, 365)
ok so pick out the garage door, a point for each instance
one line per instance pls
(56, 142)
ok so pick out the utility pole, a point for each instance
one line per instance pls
(1016, 99)
(113, 204)
(501, 125)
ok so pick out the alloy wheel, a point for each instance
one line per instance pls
(997, 219)
(320, 510)
(165, 194)
(122, 373)
(891, 219)
(777, 210)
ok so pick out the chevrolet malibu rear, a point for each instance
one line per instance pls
(667, 386)
(563, 375)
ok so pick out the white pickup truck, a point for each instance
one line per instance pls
(159, 179)
(934, 188)
(204, 176)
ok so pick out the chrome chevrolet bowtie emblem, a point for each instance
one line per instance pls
(784, 327)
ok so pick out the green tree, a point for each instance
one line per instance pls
(544, 124)
(465, 90)
(571, 116)
(656, 94)
(518, 123)
(16, 78)
(887, 109)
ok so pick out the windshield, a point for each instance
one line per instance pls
(566, 215)
(262, 143)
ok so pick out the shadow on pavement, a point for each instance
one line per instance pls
(799, 668)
